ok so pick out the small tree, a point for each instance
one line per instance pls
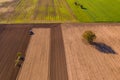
(89, 36)
(18, 60)
(19, 54)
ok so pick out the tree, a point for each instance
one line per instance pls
(18, 61)
(19, 54)
(89, 36)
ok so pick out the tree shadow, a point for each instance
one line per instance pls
(80, 5)
(83, 8)
(102, 47)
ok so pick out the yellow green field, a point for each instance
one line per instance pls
(59, 11)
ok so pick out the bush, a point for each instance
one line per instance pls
(19, 54)
(19, 59)
(89, 36)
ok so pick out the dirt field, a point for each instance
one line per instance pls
(44, 53)
(57, 52)
(85, 62)
(12, 40)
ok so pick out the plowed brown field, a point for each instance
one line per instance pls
(84, 61)
(13, 39)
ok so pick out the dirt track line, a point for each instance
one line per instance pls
(58, 67)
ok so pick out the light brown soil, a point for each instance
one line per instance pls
(85, 62)
(36, 63)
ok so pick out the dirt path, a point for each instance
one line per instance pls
(58, 68)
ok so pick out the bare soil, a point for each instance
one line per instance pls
(92, 62)
(45, 56)
(58, 52)
(13, 39)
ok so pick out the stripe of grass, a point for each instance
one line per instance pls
(64, 12)
(70, 11)
(49, 16)
(51, 10)
(56, 11)
(67, 12)
(69, 17)
(37, 14)
(58, 6)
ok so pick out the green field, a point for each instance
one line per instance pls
(96, 10)
(47, 11)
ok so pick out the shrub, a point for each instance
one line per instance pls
(89, 36)
(19, 54)
(19, 59)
